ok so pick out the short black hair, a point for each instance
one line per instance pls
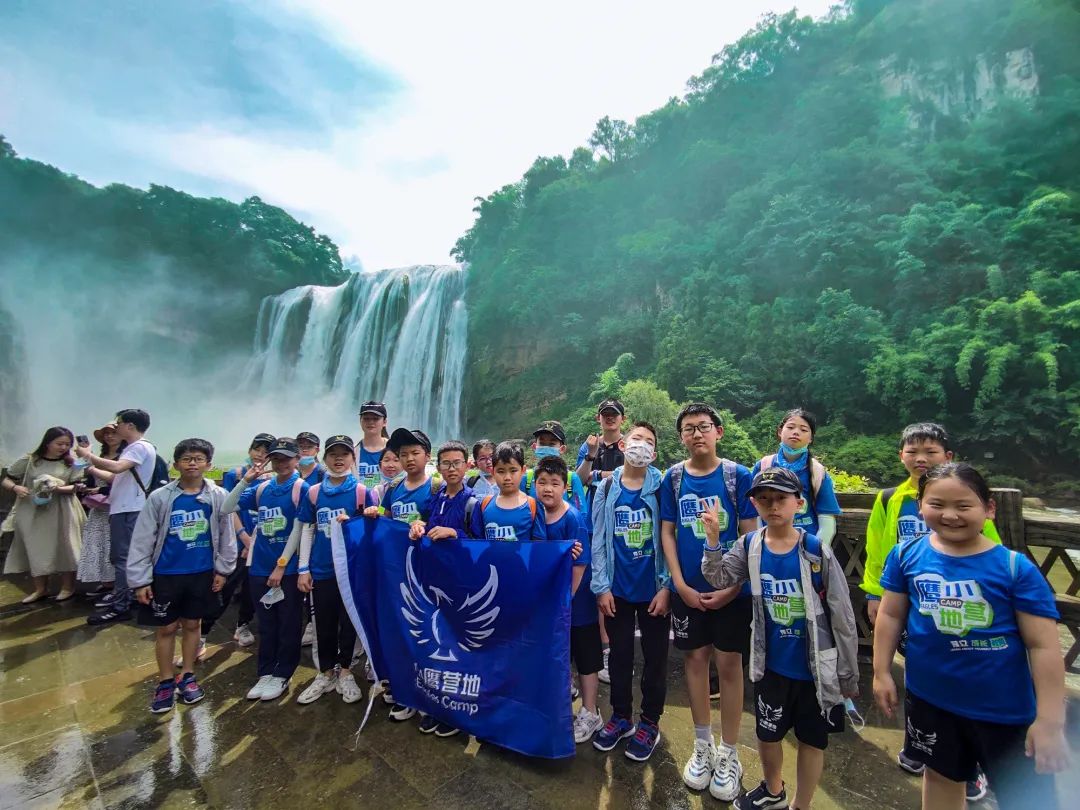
(135, 416)
(695, 408)
(506, 452)
(193, 446)
(641, 423)
(450, 447)
(962, 472)
(925, 432)
(482, 445)
(552, 465)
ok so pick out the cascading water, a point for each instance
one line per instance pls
(397, 336)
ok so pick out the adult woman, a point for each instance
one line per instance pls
(49, 518)
(94, 565)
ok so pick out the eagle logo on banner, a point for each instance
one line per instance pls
(436, 621)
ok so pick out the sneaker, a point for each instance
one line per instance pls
(401, 713)
(726, 782)
(106, 600)
(617, 728)
(256, 692)
(200, 654)
(274, 688)
(603, 674)
(369, 673)
(190, 691)
(108, 615)
(243, 636)
(760, 799)
(912, 766)
(323, 683)
(586, 724)
(428, 724)
(444, 730)
(164, 695)
(640, 748)
(976, 788)
(574, 693)
(698, 770)
(348, 688)
(387, 697)
(309, 635)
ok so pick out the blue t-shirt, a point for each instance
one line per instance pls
(785, 614)
(571, 527)
(518, 524)
(825, 502)
(698, 490)
(407, 505)
(964, 651)
(187, 548)
(634, 578)
(575, 492)
(314, 476)
(330, 503)
(276, 513)
(910, 524)
(367, 466)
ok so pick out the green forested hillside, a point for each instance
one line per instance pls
(875, 216)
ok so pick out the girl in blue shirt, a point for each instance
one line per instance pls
(985, 676)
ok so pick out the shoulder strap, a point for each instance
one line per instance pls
(484, 504)
(767, 461)
(530, 476)
(532, 505)
(471, 476)
(812, 548)
(259, 491)
(731, 477)
(676, 473)
(313, 493)
(361, 496)
(296, 487)
(817, 476)
(470, 507)
(753, 560)
(886, 496)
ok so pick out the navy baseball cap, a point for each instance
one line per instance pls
(552, 427)
(377, 408)
(284, 446)
(402, 437)
(778, 478)
(340, 440)
(611, 405)
(263, 438)
(308, 436)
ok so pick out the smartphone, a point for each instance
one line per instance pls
(84, 441)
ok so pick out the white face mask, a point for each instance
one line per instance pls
(639, 454)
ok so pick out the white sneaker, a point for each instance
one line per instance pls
(726, 782)
(603, 673)
(699, 768)
(348, 688)
(274, 688)
(243, 636)
(309, 635)
(200, 654)
(401, 713)
(323, 683)
(586, 724)
(256, 692)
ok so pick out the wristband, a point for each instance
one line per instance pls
(282, 562)
(304, 570)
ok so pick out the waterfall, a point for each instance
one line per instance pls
(397, 336)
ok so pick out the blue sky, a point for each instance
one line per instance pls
(376, 123)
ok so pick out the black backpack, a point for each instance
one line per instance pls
(158, 479)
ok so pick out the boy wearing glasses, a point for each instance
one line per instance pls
(703, 617)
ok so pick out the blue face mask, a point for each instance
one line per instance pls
(307, 461)
(546, 452)
(791, 452)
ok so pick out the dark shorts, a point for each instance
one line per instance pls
(180, 596)
(727, 629)
(586, 649)
(782, 703)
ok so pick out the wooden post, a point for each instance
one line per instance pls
(1010, 518)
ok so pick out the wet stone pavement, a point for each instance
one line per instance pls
(75, 731)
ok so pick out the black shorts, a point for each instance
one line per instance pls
(727, 629)
(954, 746)
(180, 596)
(781, 703)
(586, 649)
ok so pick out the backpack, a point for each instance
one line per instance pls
(817, 476)
(158, 479)
(297, 484)
(731, 476)
(313, 495)
(809, 547)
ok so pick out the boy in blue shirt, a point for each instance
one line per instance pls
(565, 523)
(272, 565)
(511, 515)
(805, 643)
(182, 550)
(703, 617)
(310, 470)
(631, 580)
(550, 442)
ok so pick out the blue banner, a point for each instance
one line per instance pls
(475, 633)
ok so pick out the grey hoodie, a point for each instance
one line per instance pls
(833, 638)
(152, 528)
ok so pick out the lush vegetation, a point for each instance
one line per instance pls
(876, 216)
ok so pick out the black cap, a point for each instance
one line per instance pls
(403, 436)
(377, 408)
(611, 405)
(308, 436)
(552, 427)
(263, 438)
(339, 440)
(284, 447)
(778, 478)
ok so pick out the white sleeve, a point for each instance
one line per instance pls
(307, 537)
(826, 529)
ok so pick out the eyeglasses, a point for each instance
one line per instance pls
(484, 459)
(704, 429)
(193, 460)
(451, 465)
